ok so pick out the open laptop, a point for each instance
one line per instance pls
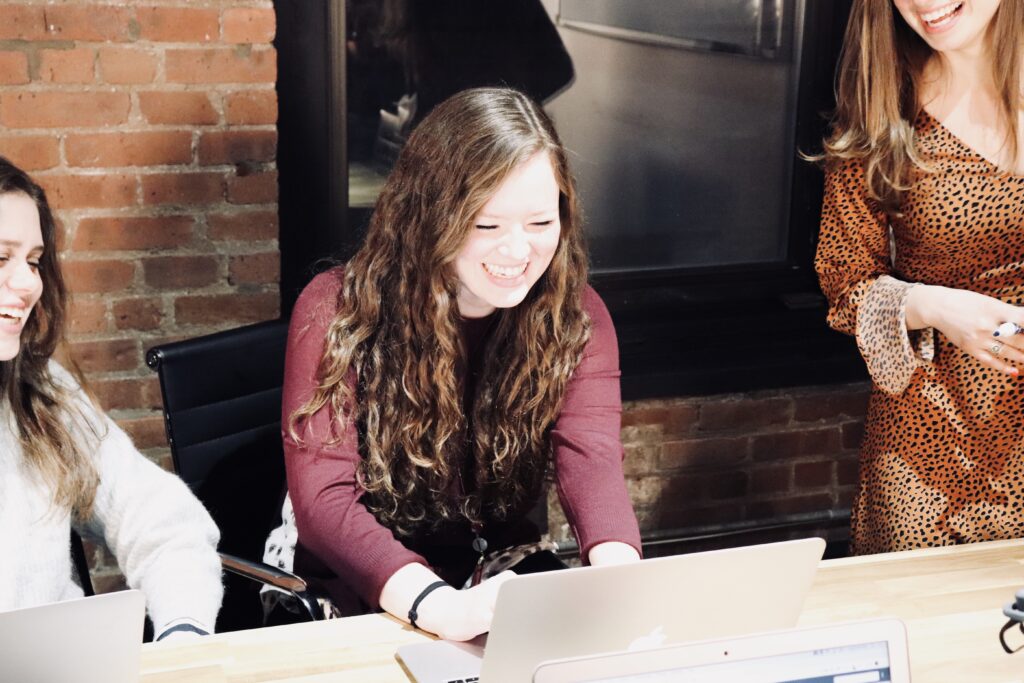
(554, 615)
(855, 652)
(88, 640)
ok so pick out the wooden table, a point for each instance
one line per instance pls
(949, 598)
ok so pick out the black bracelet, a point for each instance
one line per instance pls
(413, 616)
(181, 627)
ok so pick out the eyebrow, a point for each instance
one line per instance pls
(532, 214)
(15, 243)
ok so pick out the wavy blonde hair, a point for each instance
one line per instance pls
(398, 326)
(878, 92)
(40, 405)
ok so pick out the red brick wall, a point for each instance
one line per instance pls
(738, 457)
(152, 126)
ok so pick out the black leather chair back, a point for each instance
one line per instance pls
(222, 411)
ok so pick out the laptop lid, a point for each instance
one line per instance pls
(89, 640)
(857, 652)
(553, 615)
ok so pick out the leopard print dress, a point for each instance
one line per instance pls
(943, 455)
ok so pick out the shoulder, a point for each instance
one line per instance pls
(318, 302)
(600, 319)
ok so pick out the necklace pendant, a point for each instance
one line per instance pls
(480, 545)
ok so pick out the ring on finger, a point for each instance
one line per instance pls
(996, 348)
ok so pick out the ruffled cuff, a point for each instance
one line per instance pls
(891, 353)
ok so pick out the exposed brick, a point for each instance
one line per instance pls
(99, 276)
(178, 24)
(145, 432)
(790, 505)
(813, 474)
(853, 434)
(182, 188)
(777, 446)
(13, 68)
(224, 308)
(259, 188)
(177, 107)
(246, 226)
(237, 146)
(678, 419)
(827, 440)
(138, 314)
(90, 191)
(640, 459)
(727, 484)
(87, 315)
(812, 407)
(847, 471)
(124, 393)
(221, 65)
(251, 107)
(745, 413)
(92, 22)
(134, 234)
(31, 152)
(248, 25)
(702, 453)
(177, 272)
(22, 22)
(107, 356)
(775, 479)
(127, 65)
(129, 149)
(77, 65)
(255, 269)
(680, 518)
(63, 109)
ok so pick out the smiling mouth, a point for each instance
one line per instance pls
(505, 272)
(9, 314)
(937, 18)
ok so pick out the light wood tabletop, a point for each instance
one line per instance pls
(949, 598)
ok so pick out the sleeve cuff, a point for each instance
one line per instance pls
(892, 354)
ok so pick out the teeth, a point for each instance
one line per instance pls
(9, 312)
(936, 15)
(503, 271)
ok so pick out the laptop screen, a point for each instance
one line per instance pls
(856, 663)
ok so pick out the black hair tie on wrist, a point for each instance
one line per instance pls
(413, 616)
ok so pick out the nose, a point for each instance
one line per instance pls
(515, 244)
(22, 278)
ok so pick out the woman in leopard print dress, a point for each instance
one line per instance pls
(921, 256)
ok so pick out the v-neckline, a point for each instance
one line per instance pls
(970, 150)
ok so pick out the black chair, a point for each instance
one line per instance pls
(81, 564)
(222, 411)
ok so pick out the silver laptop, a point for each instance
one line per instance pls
(88, 640)
(855, 652)
(554, 615)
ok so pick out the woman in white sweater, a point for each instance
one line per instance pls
(64, 463)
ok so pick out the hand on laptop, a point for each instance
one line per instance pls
(449, 613)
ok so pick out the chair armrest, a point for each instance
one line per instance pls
(276, 578)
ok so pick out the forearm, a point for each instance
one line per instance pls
(923, 307)
(405, 585)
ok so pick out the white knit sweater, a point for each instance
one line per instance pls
(163, 538)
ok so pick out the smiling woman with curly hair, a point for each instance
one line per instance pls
(437, 379)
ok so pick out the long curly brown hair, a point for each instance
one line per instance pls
(397, 329)
(54, 434)
(878, 89)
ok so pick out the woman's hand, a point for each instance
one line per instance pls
(449, 613)
(612, 552)
(968, 320)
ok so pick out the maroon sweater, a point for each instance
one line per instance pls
(343, 548)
